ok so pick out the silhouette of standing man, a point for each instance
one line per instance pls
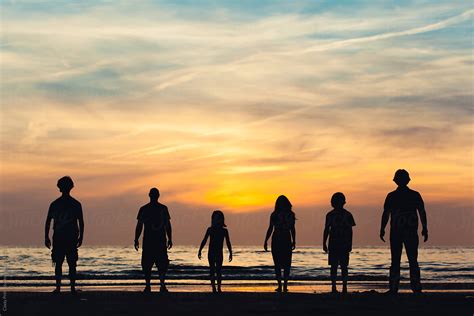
(402, 206)
(156, 238)
(66, 212)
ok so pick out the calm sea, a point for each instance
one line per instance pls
(113, 265)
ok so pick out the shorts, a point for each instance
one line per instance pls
(338, 258)
(64, 247)
(157, 256)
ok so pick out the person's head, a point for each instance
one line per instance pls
(282, 204)
(338, 200)
(65, 184)
(401, 177)
(217, 219)
(154, 194)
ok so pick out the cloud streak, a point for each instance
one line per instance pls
(417, 30)
(228, 107)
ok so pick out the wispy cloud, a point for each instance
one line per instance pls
(225, 99)
(465, 16)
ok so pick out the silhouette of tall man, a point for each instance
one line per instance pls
(66, 212)
(401, 206)
(157, 238)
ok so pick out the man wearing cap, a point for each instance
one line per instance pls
(157, 238)
(68, 226)
(402, 206)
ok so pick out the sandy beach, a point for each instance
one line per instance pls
(237, 303)
(111, 283)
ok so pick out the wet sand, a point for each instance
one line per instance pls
(236, 303)
(202, 286)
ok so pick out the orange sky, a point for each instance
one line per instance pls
(233, 110)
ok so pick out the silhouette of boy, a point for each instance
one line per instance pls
(338, 228)
(66, 212)
(402, 206)
(217, 233)
(156, 238)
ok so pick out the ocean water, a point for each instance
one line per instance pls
(121, 265)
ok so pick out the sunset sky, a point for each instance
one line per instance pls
(228, 104)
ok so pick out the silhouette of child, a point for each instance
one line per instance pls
(338, 228)
(217, 232)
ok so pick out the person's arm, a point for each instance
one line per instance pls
(293, 235)
(229, 245)
(385, 217)
(138, 232)
(169, 230)
(47, 225)
(203, 243)
(267, 236)
(81, 227)
(424, 223)
(326, 234)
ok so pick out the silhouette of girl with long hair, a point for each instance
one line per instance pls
(217, 233)
(282, 225)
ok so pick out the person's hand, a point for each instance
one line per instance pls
(424, 233)
(230, 257)
(382, 234)
(325, 248)
(170, 244)
(79, 242)
(293, 246)
(265, 246)
(136, 244)
(47, 242)
(199, 255)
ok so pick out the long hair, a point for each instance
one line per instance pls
(283, 205)
(217, 219)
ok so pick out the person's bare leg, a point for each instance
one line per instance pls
(219, 280)
(219, 273)
(58, 273)
(286, 276)
(213, 280)
(147, 273)
(278, 277)
(162, 270)
(146, 268)
(147, 283)
(72, 276)
(163, 287)
(333, 278)
(213, 284)
(345, 273)
(212, 272)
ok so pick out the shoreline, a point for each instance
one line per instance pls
(240, 286)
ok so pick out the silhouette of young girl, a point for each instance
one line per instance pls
(282, 225)
(217, 232)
